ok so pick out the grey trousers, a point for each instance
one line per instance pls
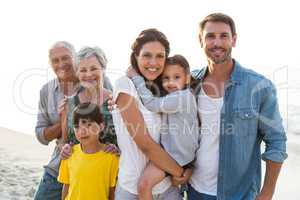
(170, 194)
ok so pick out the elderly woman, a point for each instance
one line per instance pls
(91, 65)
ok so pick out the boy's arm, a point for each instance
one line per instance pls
(112, 193)
(167, 104)
(65, 191)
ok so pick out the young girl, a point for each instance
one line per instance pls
(180, 130)
(89, 173)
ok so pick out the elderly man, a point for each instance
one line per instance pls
(62, 56)
(238, 110)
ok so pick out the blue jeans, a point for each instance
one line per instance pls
(194, 195)
(48, 189)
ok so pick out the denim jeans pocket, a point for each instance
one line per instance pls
(51, 182)
(48, 189)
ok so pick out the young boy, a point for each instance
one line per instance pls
(89, 173)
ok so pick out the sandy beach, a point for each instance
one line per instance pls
(21, 164)
(22, 159)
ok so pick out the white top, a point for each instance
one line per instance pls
(205, 175)
(132, 160)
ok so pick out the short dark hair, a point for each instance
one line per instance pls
(218, 17)
(87, 111)
(179, 60)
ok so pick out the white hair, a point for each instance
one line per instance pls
(66, 45)
(87, 52)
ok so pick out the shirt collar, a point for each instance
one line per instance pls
(235, 76)
(56, 84)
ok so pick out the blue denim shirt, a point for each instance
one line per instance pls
(249, 116)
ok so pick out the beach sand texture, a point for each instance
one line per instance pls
(21, 164)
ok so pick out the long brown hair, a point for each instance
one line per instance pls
(148, 35)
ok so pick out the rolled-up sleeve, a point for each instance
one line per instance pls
(271, 127)
(42, 119)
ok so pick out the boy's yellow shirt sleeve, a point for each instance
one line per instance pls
(63, 176)
(114, 171)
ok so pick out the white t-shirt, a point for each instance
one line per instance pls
(132, 160)
(205, 175)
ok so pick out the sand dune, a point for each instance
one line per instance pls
(22, 158)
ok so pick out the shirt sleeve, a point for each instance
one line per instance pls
(171, 103)
(43, 120)
(114, 171)
(63, 176)
(124, 85)
(270, 126)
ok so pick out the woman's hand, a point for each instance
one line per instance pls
(66, 151)
(131, 72)
(184, 179)
(111, 103)
(111, 148)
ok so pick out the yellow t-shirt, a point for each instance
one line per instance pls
(90, 176)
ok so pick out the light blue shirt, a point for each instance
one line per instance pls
(249, 116)
(50, 96)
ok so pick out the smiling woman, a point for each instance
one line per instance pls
(138, 128)
(90, 73)
(151, 60)
(91, 69)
